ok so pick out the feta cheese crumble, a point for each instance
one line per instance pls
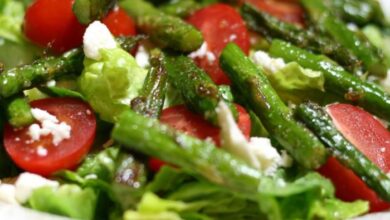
(49, 125)
(386, 8)
(386, 82)
(258, 152)
(28, 182)
(97, 37)
(51, 83)
(7, 194)
(203, 52)
(142, 57)
(271, 65)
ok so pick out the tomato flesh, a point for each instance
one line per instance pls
(52, 24)
(68, 153)
(181, 118)
(119, 23)
(372, 139)
(288, 11)
(219, 24)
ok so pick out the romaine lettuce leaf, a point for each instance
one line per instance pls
(294, 77)
(68, 200)
(111, 83)
(14, 48)
(308, 197)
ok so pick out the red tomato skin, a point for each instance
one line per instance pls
(372, 139)
(51, 23)
(219, 24)
(363, 131)
(68, 153)
(350, 187)
(181, 118)
(119, 23)
(288, 11)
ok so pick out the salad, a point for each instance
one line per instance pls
(195, 109)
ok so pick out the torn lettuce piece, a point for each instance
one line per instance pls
(111, 77)
(111, 83)
(67, 200)
(153, 207)
(290, 76)
(379, 39)
(294, 77)
(15, 50)
(308, 197)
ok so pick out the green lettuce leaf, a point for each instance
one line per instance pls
(111, 83)
(68, 200)
(379, 39)
(15, 50)
(294, 77)
(308, 197)
(11, 19)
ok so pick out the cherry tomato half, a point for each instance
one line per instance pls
(180, 118)
(51, 23)
(219, 24)
(119, 23)
(288, 11)
(68, 153)
(372, 139)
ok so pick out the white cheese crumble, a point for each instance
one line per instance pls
(7, 194)
(41, 151)
(271, 65)
(51, 83)
(49, 125)
(97, 37)
(28, 182)
(142, 57)
(258, 152)
(203, 52)
(386, 8)
(386, 82)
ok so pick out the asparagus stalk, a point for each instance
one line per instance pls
(15, 80)
(87, 11)
(196, 87)
(337, 80)
(151, 99)
(271, 27)
(164, 30)
(180, 8)
(317, 120)
(191, 154)
(370, 56)
(277, 118)
(19, 113)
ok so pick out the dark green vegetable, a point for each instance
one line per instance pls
(151, 100)
(87, 11)
(191, 154)
(318, 120)
(15, 80)
(277, 118)
(114, 165)
(19, 113)
(325, 20)
(165, 30)
(61, 92)
(271, 28)
(358, 12)
(199, 92)
(337, 80)
(180, 8)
